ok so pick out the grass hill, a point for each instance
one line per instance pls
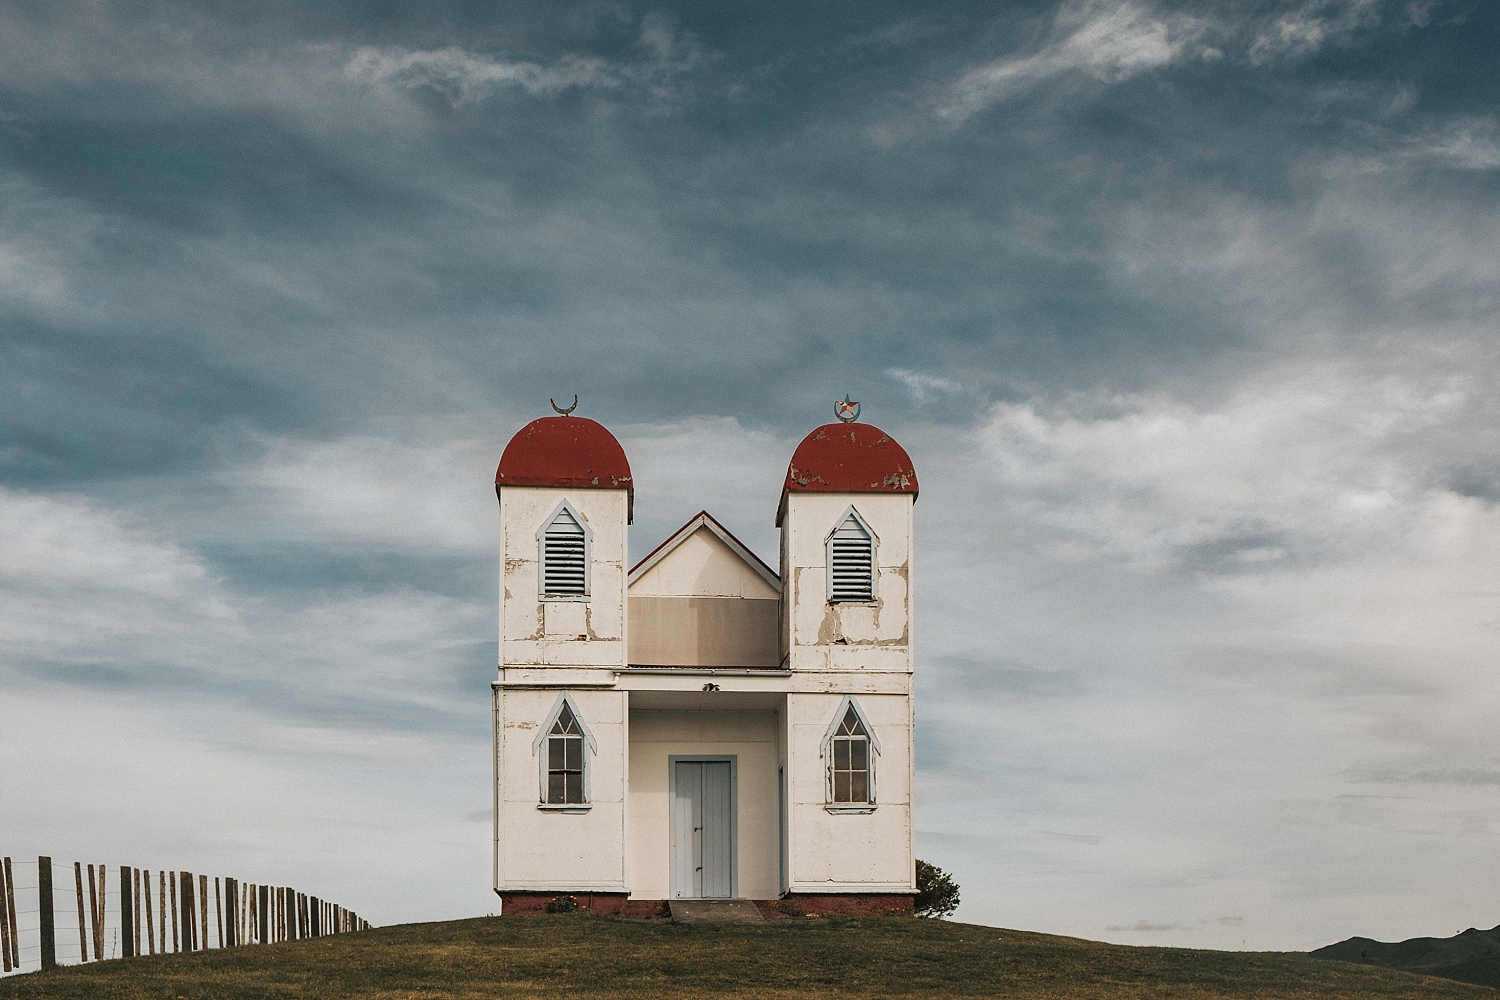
(1470, 957)
(588, 956)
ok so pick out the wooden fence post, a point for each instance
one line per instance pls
(135, 898)
(150, 926)
(185, 901)
(172, 882)
(203, 911)
(263, 897)
(44, 911)
(5, 928)
(94, 915)
(103, 914)
(127, 929)
(219, 910)
(83, 939)
(162, 903)
(10, 912)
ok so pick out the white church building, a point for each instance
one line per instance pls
(701, 725)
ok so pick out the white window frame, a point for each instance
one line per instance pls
(867, 806)
(537, 745)
(874, 556)
(541, 555)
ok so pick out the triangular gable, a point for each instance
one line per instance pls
(705, 521)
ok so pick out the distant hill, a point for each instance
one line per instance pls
(1470, 957)
(583, 957)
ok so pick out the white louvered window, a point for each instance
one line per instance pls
(565, 556)
(851, 561)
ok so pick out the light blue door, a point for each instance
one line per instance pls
(702, 829)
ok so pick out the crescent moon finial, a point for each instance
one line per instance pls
(846, 409)
(562, 411)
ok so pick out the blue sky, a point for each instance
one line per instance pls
(1186, 313)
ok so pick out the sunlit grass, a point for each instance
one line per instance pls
(586, 956)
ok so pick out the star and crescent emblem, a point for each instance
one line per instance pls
(846, 409)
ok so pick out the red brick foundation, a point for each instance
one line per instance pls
(512, 904)
(617, 904)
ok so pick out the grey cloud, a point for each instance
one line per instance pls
(962, 677)
(1440, 776)
(1192, 337)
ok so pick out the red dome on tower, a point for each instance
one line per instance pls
(572, 452)
(849, 458)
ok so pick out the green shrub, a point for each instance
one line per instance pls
(937, 893)
(562, 904)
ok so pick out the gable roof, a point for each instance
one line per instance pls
(703, 519)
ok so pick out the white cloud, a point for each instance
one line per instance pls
(29, 274)
(467, 74)
(1321, 464)
(1468, 144)
(367, 490)
(1109, 42)
(1304, 30)
(922, 386)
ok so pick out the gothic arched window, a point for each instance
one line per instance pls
(850, 748)
(563, 746)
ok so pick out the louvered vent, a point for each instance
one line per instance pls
(851, 555)
(564, 558)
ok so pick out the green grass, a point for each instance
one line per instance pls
(589, 956)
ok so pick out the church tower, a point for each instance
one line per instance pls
(565, 495)
(846, 566)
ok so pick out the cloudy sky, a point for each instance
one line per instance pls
(1186, 313)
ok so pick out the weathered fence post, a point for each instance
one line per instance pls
(219, 910)
(83, 939)
(44, 904)
(203, 911)
(176, 941)
(232, 907)
(162, 903)
(94, 915)
(5, 928)
(185, 902)
(150, 927)
(263, 897)
(10, 911)
(135, 898)
(127, 929)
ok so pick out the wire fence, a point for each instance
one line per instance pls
(123, 912)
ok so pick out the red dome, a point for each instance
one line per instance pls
(850, 458)
(574, 452)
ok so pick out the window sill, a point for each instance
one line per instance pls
(851, 809)
(563, 597)
(572, 808)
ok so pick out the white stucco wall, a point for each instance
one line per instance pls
(544, 850)
(573, 645)
(751, 736)
(860, 852)
(837, 649)
(562, 633)
(701, 565)
(826, 636)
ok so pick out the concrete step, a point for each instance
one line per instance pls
(714, 911)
